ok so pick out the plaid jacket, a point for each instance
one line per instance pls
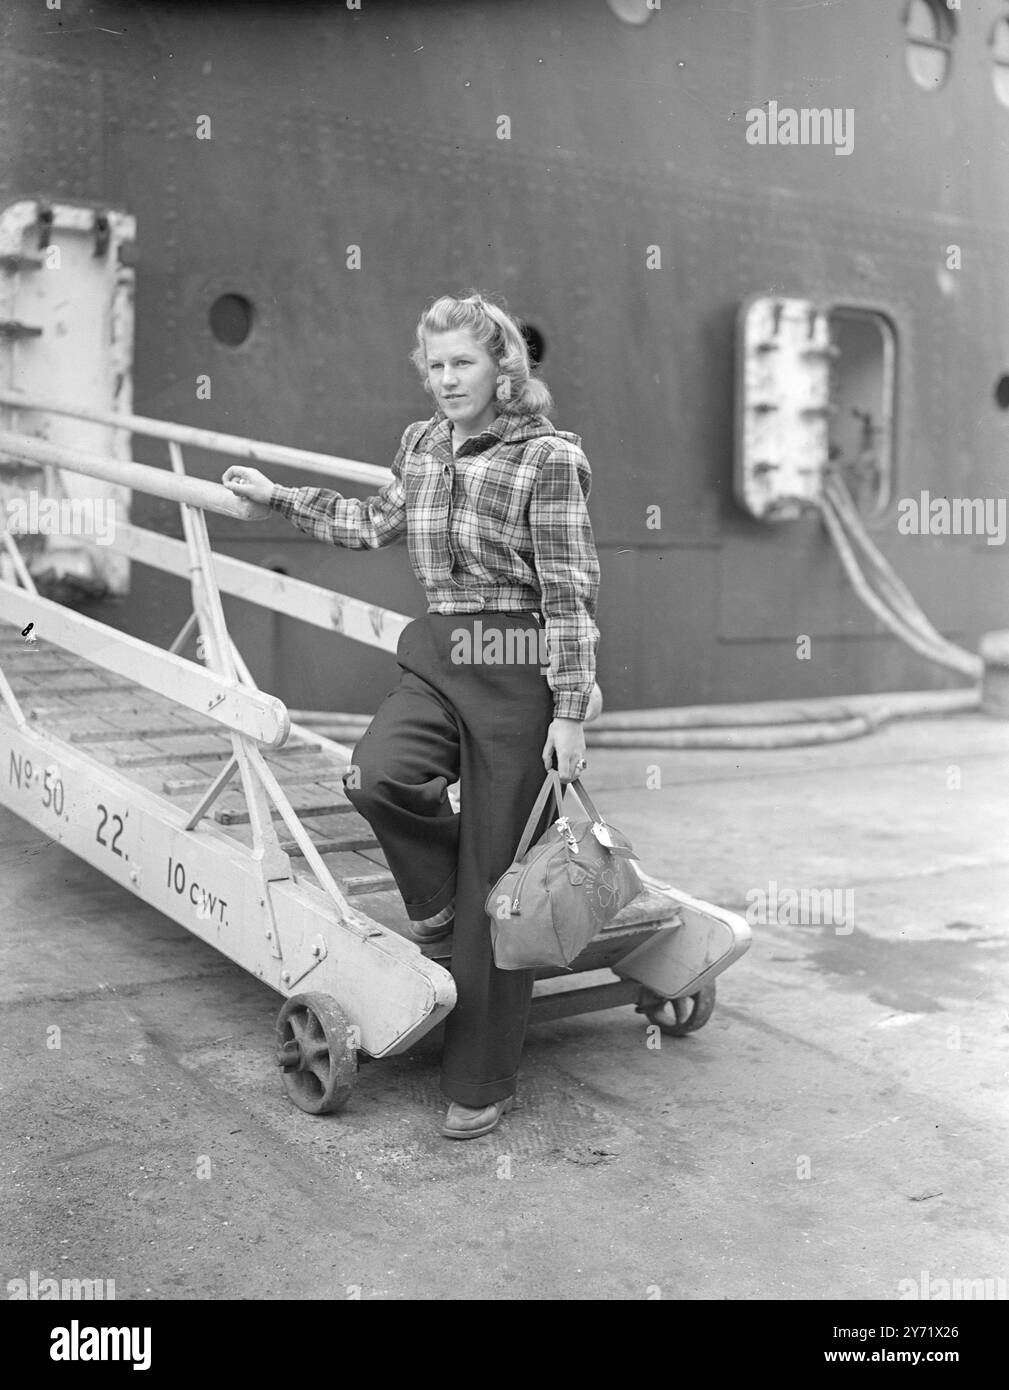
(502, 526)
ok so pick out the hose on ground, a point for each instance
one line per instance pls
(897, 609)
(765, 725)
(892, 588)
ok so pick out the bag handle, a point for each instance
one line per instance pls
(551, 784)
(586, 800)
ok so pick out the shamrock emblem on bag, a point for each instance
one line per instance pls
(606, 888)
(599, 885)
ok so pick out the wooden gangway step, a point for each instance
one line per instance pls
(292, 775)
(338, 832)
(201, 748)
(177, 753)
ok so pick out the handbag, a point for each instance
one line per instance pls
(553, 899)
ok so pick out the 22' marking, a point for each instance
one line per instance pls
(115, 838)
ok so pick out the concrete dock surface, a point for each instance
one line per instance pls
(837, 1130)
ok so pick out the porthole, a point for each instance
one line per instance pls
(1002, 392)
(231, 318)
(929, 29)
(632, 11)
(999, 42)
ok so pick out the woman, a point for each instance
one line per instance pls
(492, 501)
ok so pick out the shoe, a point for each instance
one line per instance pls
(464, 1122)
(426, 936)
(434, 928)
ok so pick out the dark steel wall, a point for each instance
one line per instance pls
(378, 128)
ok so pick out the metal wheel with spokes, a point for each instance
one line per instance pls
(316, 1052)
(677, 1017)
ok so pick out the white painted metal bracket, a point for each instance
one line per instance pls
(783, 406)
(66, 298)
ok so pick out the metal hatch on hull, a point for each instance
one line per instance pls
(66, 332)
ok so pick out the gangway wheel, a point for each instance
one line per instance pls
(316, 1053)
(677, 1017)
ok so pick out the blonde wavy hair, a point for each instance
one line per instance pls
(491, 326)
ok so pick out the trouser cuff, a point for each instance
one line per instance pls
(418, 912)
(477, 1094)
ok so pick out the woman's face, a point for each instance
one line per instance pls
(463, 380)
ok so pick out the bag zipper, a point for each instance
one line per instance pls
(564, 833)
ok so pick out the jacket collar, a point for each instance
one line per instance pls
(442, 434)
(506, 427)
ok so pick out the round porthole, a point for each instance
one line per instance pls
(534, 342)
(1002, 392)
(231, 318)
(632, 11)
(929, 29)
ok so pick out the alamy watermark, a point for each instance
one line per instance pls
(931, 1288)
(44, 1289)
(36, 514)
(802, 907)
(926, 515)
(77, 1343)
(494, 646)
(809, 125)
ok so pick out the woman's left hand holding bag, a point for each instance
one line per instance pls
(566, 741)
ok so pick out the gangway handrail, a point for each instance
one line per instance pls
(255, 450)
(282, 593)
(196, 492)
(360, 621)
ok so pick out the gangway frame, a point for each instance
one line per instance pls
(373, 990)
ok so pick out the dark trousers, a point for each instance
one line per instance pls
(485, 725)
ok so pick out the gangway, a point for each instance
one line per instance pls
(183, 782)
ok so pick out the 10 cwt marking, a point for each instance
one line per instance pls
(205, 902)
